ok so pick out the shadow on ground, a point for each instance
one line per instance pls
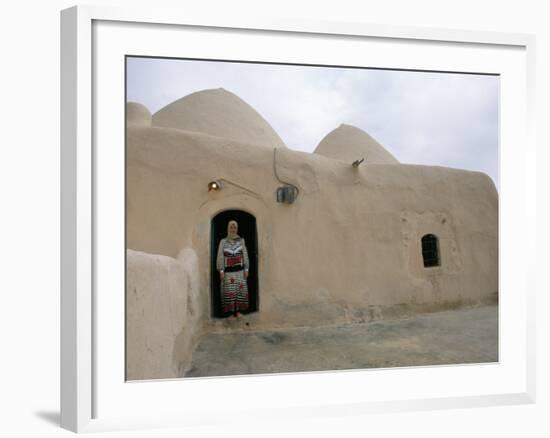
(51, 417)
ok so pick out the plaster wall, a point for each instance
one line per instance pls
(348, 250)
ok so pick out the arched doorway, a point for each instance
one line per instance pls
(247, 230)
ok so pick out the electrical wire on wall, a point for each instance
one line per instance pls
(283, 194)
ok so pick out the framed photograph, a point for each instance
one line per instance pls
(264, 207)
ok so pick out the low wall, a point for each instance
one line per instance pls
(164, 314)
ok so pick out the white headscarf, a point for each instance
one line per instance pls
(235, 236)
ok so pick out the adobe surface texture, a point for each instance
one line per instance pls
(449, 337)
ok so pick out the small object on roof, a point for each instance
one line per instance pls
(356, 163)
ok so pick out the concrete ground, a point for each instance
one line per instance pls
(449, 337)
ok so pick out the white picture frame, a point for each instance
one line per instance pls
(92, 396)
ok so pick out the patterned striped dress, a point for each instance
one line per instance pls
(232, 259)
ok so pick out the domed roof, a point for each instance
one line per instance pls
(348, 143)
(137, 114)
(220, 113)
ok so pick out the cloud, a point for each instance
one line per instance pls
(420, 117)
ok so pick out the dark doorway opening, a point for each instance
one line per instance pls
(247, 230)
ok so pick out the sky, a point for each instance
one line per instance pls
(442, 119)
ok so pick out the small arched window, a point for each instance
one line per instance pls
(430, 251)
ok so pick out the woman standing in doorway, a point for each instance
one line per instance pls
(232, 263)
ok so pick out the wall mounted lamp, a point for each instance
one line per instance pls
(214, 186)
(287, 194)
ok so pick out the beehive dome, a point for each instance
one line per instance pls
(220, 113)
(137, 114)
(348, 143)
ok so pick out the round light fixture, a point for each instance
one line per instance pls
(214, 186)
